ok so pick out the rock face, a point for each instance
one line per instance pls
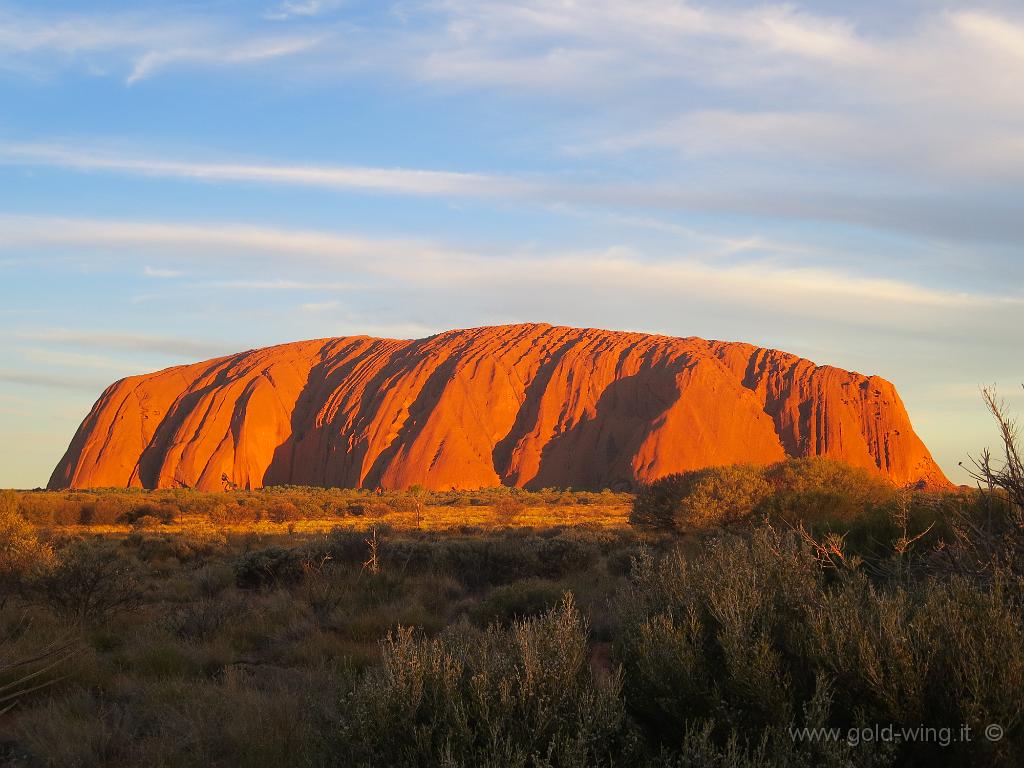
(525, 405)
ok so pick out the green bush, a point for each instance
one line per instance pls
(824, 491)
(703, 498)
(753, 636)
(270, 567)
(484, 562)
(566, 553)
(501, 697)
(529, 597)
(819, 492)
(161, 514)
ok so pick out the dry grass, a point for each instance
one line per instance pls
(440, 518)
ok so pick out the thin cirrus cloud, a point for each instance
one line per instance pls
(248, 51)
(935, 213)
(301, 9)
(427, 264)
(554, 46)
(136, 44)
(54, 380)
(161, 273)
(391, 180)
(129, 342)
(283, 285)
(47, 356)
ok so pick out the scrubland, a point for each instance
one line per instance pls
(705, 621)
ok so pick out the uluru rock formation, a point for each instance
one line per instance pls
(525, 405)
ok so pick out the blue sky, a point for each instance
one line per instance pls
(840, 180)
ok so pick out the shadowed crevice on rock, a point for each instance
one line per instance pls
(526, 418)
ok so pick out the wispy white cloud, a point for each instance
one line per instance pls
(111, 340)
(555, 45)
(197, 243)
(283, 285)
(938, 214)
(319, 306)
(725, 132)
(136, 44)
(992, 31)
(56, 380)
(765, 281)
(240, 53)
(394, 180)
(301, 8)
(74, 360)
(161, 273)
(936, 95)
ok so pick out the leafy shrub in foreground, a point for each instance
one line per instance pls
(818, 491)
(824, 490)
(516, 697)
(753, 636)
(702, 498)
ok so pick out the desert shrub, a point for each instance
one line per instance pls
(483, 562)
(818, 492)
(1004, 473)
(620, 560)
(89, 582)
(87, 515)
(701, 499)
(238, 719)
(566, 553)
(230, 513)
(347, 547)
(283, 512)
(369, 508)
(158, 514)
(323, 588)
(507, 508)
(200, 620)
(403, 501)
(753, 636)
(153, 548)
(104, 509)
(824, 491)
(51, 509)
(22, 553)
(273, 566)
(28, 668)
(519, 696)
(214, 578)
(521, 599)
(656, 503)
(409, 555)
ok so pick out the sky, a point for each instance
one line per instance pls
(841, 180)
